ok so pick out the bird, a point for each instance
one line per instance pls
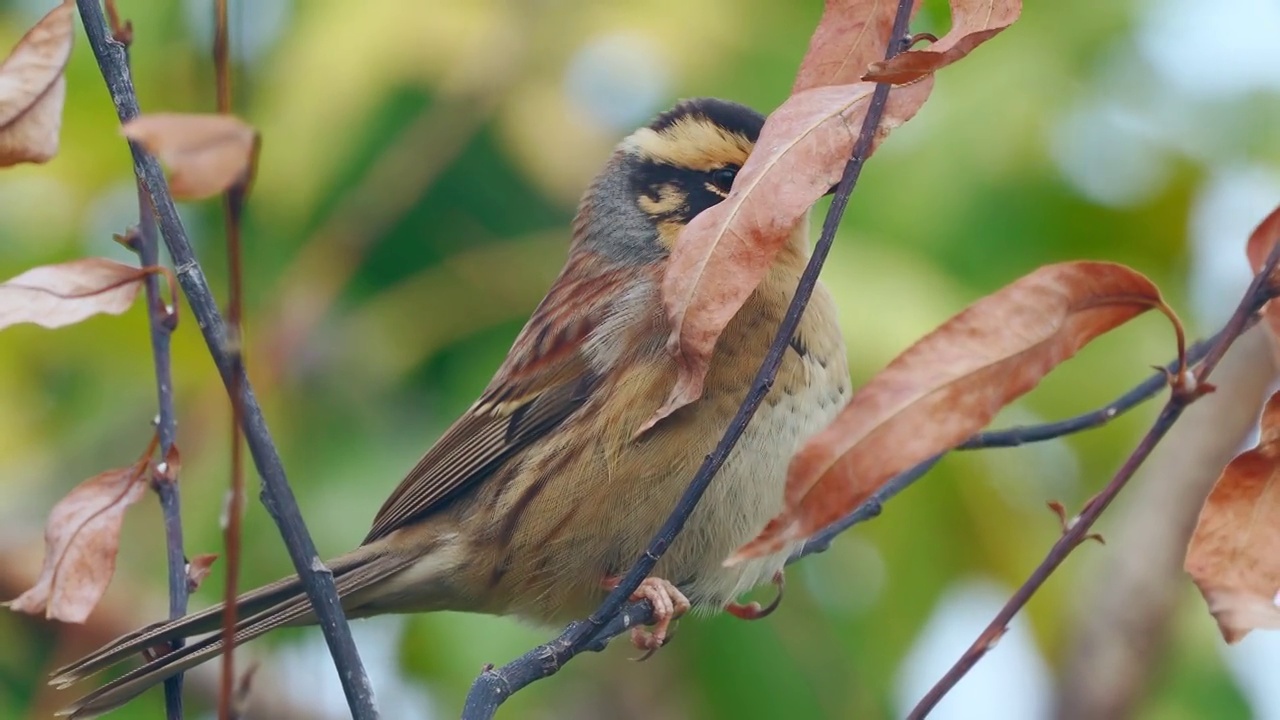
(542, 494)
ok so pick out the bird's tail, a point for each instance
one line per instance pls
(258, 611)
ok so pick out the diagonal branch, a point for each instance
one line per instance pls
(546, 659)
(494, 686)
(277, 496)
(1147, 389)
(1186, 389)
(1009, 437)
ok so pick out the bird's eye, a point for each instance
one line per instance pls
(723, 178)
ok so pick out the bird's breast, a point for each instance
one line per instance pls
(811, 387)
(592, 497)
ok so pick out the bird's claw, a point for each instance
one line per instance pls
(752, 610)
(668, 605)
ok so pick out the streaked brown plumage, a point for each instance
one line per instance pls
(539, 494)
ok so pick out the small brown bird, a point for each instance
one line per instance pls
(540, 495)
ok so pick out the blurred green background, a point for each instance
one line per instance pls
(420, 167)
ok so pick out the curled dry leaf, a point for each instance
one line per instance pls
(33, 88)
(81, 539)
(1234, 553)
(851, 35)
(206, 153)
(724, 252)
(949, 385)
(973, 22)
(198, 569)
(1261, 242)
(57, 295)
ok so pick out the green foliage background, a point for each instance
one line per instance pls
(420, 166)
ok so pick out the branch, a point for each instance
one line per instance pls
(317, 579)
(162, 320)
(546, 660)
(1124, 620)
(1015, 436)
(493, 687)
(1009, 437)
(1187, 387)
(232, 207)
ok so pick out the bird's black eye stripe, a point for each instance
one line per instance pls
(723, 178)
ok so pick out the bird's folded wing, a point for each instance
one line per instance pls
(545, 379)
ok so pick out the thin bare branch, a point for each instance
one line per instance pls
(232, 206)
(1187, 387)
(277, 496)
(163, 320)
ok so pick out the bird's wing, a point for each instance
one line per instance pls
(545, 379)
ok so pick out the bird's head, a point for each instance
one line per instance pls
(663, 175)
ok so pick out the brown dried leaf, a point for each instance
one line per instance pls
(81, 539)
(949, 385)
(57, 295)
(851, 35)
(198, 569)
(973, 22)
(1261, 242)
(206, 153)
(1234, 553)
(724, 252)
(32, 89)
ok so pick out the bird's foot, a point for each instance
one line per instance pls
(668, 605)
(752, 610)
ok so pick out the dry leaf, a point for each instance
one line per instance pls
(205, 154)
(724, 252)
(57, 295)
(949, 385)
(1261, 242)
(851, 35)
(973, 22)
(198, 569)
(32, 89)
(81, 539)
(1234, 553)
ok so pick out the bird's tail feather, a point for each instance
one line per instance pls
(261, 610)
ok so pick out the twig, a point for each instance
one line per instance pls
(317, 579)
(1124, 619)
(493, 687)
(1009, 437)
(872, 508)
(1186, 390)
(162, 320)
(232, 205)
(1149, 388)
(640, 612)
